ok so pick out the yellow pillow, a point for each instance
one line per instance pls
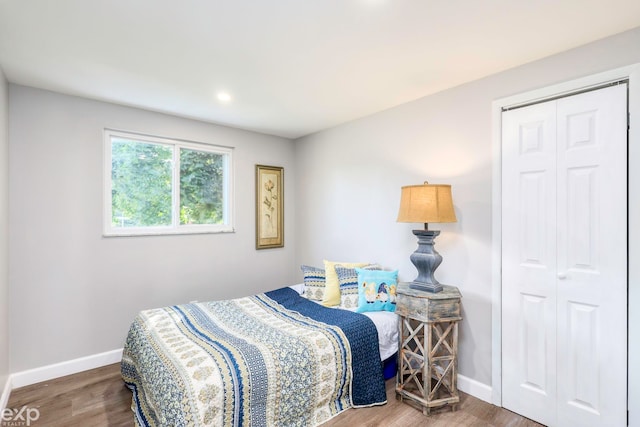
(332, 287)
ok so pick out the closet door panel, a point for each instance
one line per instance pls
(529, 261)
(592, 258)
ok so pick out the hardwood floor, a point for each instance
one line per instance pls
(99, 398)
(92, 398)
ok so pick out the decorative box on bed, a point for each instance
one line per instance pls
(272, 359)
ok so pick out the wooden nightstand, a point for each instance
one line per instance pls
(427, 357)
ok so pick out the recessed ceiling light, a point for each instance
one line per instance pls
(224, 97)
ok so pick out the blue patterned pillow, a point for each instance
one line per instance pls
(376, 290)
(348, 278)
(314, 282)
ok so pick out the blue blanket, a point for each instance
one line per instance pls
(270, 359)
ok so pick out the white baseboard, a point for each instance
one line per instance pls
(4, 397)
(474, 388)
(45, 373)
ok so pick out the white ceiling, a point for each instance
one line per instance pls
(292, 67)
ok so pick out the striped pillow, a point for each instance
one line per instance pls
(332, 287)
(314, 282)
(348, 278)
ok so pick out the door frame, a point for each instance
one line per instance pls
(631, 73)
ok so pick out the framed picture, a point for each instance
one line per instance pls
(269, 207)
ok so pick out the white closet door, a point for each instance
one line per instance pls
(592, 258)
(529, 261)
(565, 260)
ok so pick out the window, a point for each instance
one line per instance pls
(162, 186)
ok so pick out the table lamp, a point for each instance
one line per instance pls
(424, 204)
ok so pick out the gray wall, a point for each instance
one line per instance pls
(74, 292)
(4, 230)
(350, 178)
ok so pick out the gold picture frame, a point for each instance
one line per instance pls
(269, 207)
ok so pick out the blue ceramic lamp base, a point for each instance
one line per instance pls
(426, 259)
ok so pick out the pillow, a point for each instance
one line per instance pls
(332, 287)
(376, 290)
(314, 282)
(348, 279)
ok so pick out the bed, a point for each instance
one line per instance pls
(273, 359)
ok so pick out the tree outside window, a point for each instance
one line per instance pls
(160, 186)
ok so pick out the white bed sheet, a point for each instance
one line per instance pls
(386, 323)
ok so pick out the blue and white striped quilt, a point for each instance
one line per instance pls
(274, 359)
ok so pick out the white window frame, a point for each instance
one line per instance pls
(175, 228)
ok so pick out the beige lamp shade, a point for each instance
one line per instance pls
(426, 203)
